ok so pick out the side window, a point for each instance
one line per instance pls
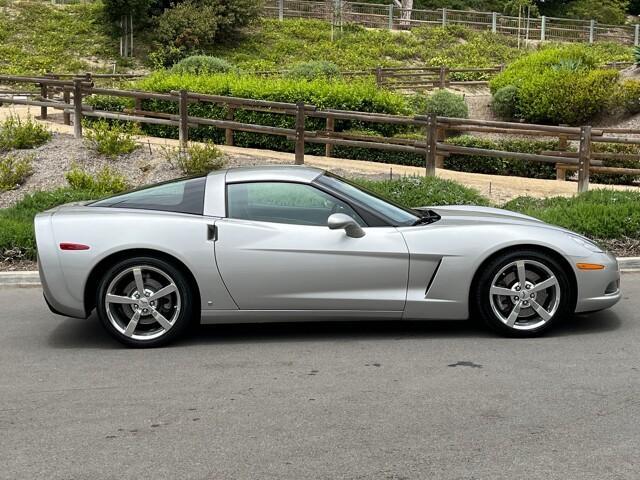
(181, 196)
(282, 202)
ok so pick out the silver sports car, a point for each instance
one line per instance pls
(273, 244)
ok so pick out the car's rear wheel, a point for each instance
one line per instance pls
(522, 293)
(144, 302)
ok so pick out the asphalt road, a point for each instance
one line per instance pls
(443, 400)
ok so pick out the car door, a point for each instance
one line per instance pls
(274, 251)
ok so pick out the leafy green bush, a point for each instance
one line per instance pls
(424, 191)
(14, 171)
(504, 102)
(598, 214)
(616, 179)
(190, 26)
(197, 159)
(629, 96)
(612, 12)
(501, 166)
(203, 65)
(111, 138)
(105, 182)
(446, 104)
(314, 69)
(559, 85)
(22, 134)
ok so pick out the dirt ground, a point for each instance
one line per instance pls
(56, 157)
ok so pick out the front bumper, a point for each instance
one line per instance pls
(597, 289)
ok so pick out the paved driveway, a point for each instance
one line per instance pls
(442, 400)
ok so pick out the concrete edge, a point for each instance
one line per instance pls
(32, 278)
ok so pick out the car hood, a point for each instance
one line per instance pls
(468, 214)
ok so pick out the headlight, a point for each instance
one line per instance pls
(588, 244)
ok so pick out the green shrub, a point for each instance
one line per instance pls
(197, 159)
(203, 65)
(559, 85)
(598, 214)
(105, 182)
(446, 104)
(22, 134)
(629, 96)
(616, 179)
(109, 103)
(504, 102)
(424, 191)
(111, 139)
(497, 165)
(314, 69)
(612, 12)
(14, 171)
(190, 26)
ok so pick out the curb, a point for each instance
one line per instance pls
(32, 278)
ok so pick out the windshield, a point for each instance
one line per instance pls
(397, 214)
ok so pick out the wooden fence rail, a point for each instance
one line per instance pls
(431, 145)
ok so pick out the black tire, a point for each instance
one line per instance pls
(176, 307)
(495, 310)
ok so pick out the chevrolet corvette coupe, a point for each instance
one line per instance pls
(288, 243)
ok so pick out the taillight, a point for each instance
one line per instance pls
(73, 246)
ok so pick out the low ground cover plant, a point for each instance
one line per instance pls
(22, 133)
(111, 139)
(203, 65)
(196, 159)
(14, 170)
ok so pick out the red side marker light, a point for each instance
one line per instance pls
(73, 246)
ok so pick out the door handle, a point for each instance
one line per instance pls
(212, 233)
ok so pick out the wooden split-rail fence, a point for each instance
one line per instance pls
(68, 96)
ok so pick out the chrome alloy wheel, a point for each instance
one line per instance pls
(524, 294)
(142, 302)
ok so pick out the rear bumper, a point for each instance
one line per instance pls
(598, 289)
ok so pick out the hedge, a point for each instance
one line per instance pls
(559, 85)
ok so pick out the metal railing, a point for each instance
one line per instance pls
(392, 17)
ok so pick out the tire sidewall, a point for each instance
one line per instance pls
(483, 286)
(184, 291)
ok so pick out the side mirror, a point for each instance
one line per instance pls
(339, 221)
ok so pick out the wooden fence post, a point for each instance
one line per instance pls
(77, 107)
(584, 159)
(379, 76)
(66, 98)
(228, 132)
(592, 31)
(444, 17)
(443, 77)
(494, 22)
(561, 172)
(328, 149)
(440, 137)
(636, 35)
(44, 92)
(280, 10)
(432, 138)
(543, 28)
(183, 105)
(299, 133)
(391, 16)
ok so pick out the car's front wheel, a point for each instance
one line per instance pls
(522, 293)
(144, 302)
